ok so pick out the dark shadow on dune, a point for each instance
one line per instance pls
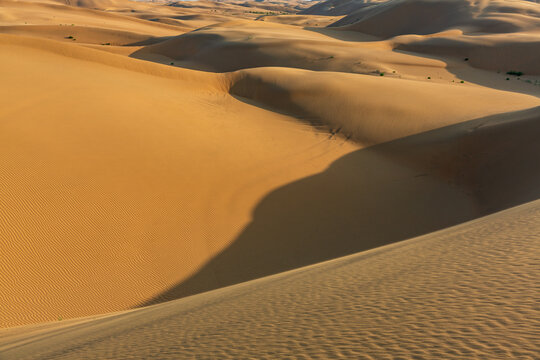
(477, 75)
(381, 195)
(343, 35)
(150, 41)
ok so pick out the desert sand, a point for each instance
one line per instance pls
(269, 179)
(467, 292)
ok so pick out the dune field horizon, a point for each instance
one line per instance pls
(269, 179)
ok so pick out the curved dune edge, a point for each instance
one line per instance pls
(105, 58)
(127, 182)
(119, 185)
(472, 169)
(369, 109)
(463, 292)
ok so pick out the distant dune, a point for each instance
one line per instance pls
(393, 18)
(269, 179)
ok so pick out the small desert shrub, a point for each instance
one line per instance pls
(462, 81)
(69, 37)
(429, 77)
(381, 74)
(516, 73)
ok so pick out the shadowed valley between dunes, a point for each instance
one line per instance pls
(269, 179)
(383, 194)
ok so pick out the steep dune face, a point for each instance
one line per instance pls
(497, 35)
(465, 292)
(245, 44)
(301, 20)
(129, 177)
(469, 169)
(112, 202)
(339, 7)
(401, 17)
(358, 107)
(490, 52)
(392, 18)
(113, 191)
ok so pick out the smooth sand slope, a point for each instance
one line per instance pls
(418, 184)
(114, 192)
(495, 35)
(119, 185)
(467, 292)
(452, 54)
(129, 177)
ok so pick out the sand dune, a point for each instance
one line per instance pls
(80, 34)
(349, 104)
(473, 168)
(464, 292)
(452, 56)
(37, 13)
(301, 20)
(339, 7)
(393, 18)
(244, 44)
(151, 151)
(75, 204)
(85, 200)
(491, 52)
(496, 35)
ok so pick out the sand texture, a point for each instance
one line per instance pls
(469, 291)
(269, 179)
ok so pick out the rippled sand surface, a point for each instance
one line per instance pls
(467, 292)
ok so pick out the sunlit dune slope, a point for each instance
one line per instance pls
(383, 194)
(338, 7)
(501, 53)
(371, 109)
(400, 17)
(301, 20)
(494, 35)
(467, 292)
(37, 13)
(80, 34)
(129, 177)
(122, 183)
(244, 44)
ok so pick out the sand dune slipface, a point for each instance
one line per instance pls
(358, 107)
(497, 35)
(104, 195)
(471, 169)
(393, 18)
(269, 179)
(243, 44)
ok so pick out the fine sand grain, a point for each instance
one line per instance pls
(468, 292)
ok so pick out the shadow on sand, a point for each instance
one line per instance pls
(380, 195)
